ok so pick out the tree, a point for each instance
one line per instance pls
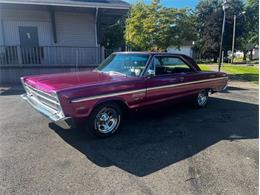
(153, 26)
(209, 15)
(134, 34)
(114, 35)
(252, 10)
(250, 36)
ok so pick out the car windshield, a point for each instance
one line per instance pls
(124, 64)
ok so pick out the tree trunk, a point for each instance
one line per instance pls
(244, 57)
(251, 55)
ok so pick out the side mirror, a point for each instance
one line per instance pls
(150, 74)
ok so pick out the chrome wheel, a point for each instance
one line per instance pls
(107, 120)
(202, 97)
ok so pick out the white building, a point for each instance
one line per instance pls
(47, 36)
(55, 31)
(256, 53)
(184, 49)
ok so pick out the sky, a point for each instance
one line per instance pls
(173, 3)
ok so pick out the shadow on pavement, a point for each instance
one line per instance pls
(245, 77)
(231, 88)
(150, 141)
(6, 90)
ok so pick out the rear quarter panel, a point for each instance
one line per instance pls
(216, 81)
(191, 85)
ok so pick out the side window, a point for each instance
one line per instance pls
(151, 68)
(170, 65)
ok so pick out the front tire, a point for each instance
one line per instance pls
(201, 99)
(105, 120)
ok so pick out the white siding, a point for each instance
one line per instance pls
(25, 15)
(75, 29)
(11, 29)
(12, 19)
(183, 50)
(255, 53)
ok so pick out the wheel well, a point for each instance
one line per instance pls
(120, 103)
(210, 90)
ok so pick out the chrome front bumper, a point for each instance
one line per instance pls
(54, 116)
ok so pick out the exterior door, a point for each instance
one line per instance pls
(28, 36)
(31, 53)
(168, 82)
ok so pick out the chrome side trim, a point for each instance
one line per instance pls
(187, 83)
(108, 95)
(141, 90)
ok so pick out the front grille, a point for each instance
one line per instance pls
(44, 98)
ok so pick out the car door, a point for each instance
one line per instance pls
(166, 77)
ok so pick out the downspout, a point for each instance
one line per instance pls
(96, 28)
(53, 25)
(3, 32)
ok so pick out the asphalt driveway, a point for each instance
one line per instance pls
(174, 150)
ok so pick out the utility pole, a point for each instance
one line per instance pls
(234, 34)
(222, 34)
(233, 40)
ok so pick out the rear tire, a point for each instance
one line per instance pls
(201, 98)
(105, 120)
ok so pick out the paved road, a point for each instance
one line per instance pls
(177, 150)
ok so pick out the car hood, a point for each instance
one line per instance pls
(56, 82)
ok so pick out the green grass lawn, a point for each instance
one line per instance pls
(204, 67)
(236, 72)
(241, 61)
(248, 73)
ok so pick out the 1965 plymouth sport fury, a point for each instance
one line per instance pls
(129, 80)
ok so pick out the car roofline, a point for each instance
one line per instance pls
(148, 53)
(186, 58)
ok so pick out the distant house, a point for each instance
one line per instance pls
(239, 54)
(186, 49)
(255, 53)
(51, 33)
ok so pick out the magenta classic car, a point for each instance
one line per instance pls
(125, 80)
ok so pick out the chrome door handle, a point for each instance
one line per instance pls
(181, 78)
